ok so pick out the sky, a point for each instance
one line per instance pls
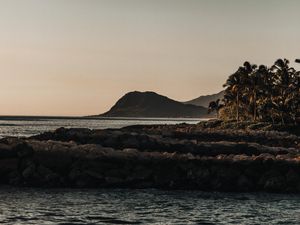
(78, 57)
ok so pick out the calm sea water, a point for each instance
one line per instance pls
(65, 206)
(27, 126)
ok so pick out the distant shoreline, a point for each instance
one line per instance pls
(28, 118)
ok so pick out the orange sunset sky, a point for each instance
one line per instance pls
(71, 57)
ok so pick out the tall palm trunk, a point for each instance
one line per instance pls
(282, 118)
(237, 107)
(273, 121)
(254, 106)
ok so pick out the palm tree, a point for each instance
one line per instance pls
(233, 88)
(283, 77)
(215, 106)
(254, 87)
(266, 109)
(263, 93)
(293, 99)
(236, 84)
(266, 90)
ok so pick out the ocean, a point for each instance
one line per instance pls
(21, 126)
(123, 206)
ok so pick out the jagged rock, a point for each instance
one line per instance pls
(29, 172)
(7, 168)
(245, 184)
(275, 184)
(140, 173)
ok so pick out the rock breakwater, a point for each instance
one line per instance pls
(170, 157)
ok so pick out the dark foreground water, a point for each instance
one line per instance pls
(37, 206)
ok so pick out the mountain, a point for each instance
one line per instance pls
(205, 99)
(151, 104)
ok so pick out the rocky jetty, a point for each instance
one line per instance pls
(210, 156)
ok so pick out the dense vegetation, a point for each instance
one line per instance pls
(261, 93)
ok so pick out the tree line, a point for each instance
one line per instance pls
(261, 93)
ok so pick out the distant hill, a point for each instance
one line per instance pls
(205, 99)
(151, 104)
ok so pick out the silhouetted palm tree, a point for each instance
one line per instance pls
(262, 93)
(236, 84)
(253, 88)
(215, 106)
(283, 77)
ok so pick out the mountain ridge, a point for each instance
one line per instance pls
(204, 100)
(151, 104)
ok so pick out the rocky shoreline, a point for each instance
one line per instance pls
(209, 156)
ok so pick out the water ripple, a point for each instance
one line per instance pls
(60, 206)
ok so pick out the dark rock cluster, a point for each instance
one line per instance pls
(162, 156)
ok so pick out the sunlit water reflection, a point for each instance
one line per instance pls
(27, 127)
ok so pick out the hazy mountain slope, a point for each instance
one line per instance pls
(151, 104)
(205, 99)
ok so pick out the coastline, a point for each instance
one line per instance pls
(29, 118)
(209, 156)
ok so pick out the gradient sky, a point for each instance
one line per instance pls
(71, 57)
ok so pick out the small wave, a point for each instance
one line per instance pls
(111, 220)
(9, 125)
(21, 218)
(76, 223)
(201, 222)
